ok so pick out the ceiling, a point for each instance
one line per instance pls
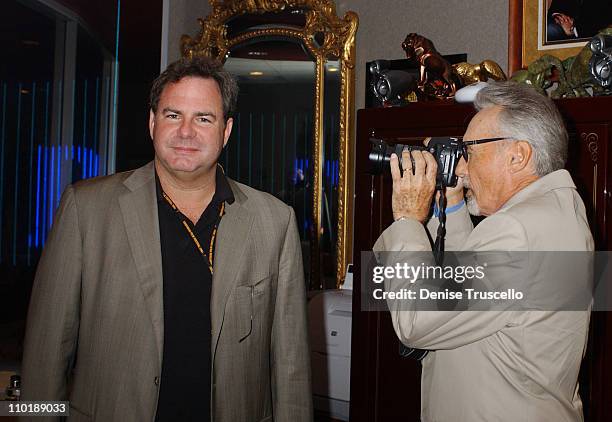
(275, 71)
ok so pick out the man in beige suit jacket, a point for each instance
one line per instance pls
(497, 365)
(95, 332)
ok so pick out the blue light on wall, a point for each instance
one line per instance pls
(91, 159)
(58, 185)
(17, 156)
(37, 219)
(50, 187)
(2, 141)
(84, 169)
(43, 209)
(48, 177)
(32, 167)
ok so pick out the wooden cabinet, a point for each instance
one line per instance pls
(386, 387)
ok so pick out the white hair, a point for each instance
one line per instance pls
(529, 116)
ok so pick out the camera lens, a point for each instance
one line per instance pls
(379, 155)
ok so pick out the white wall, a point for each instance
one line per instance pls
(476, 27)
(183, 19)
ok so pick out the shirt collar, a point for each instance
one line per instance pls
(223, 188)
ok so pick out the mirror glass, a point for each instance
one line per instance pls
(331, 174)
(271, 145)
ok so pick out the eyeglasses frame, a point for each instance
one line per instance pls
(465, 144)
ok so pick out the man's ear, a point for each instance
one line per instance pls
(519, 155)
(151, 122)
(227, 131)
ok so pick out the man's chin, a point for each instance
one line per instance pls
(185, 164)
(472, 204)
(184, 168)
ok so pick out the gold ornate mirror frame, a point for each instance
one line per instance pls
(338, 37)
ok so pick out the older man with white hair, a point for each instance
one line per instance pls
(496, 366)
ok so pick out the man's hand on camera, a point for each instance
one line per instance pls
(412, 191)
(453, 195)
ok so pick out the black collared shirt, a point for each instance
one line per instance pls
(187, 283)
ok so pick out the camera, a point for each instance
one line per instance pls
(446, 150)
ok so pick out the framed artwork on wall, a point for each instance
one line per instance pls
(557, 27)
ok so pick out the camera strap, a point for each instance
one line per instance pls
(438, 247)
(438, 252)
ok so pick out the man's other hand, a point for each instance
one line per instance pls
(413, 190)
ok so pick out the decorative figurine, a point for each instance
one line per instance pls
(481, 72)
(436, 78)
(572, 75)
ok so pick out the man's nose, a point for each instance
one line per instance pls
(186, 130)
(461, 169)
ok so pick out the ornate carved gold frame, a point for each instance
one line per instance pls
(339, 44)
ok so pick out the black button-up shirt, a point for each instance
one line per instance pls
(187, 284)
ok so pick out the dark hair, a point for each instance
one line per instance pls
(201, 67)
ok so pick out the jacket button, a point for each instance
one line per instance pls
(156, 380)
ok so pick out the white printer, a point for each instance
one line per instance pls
(330, 319)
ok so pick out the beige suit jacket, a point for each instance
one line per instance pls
(95, 324)
(513, 366)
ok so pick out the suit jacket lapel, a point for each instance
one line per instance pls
(229, 250)
(139, 209)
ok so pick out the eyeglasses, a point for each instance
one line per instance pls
(465, 144)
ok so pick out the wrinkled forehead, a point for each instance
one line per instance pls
(485, 124)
